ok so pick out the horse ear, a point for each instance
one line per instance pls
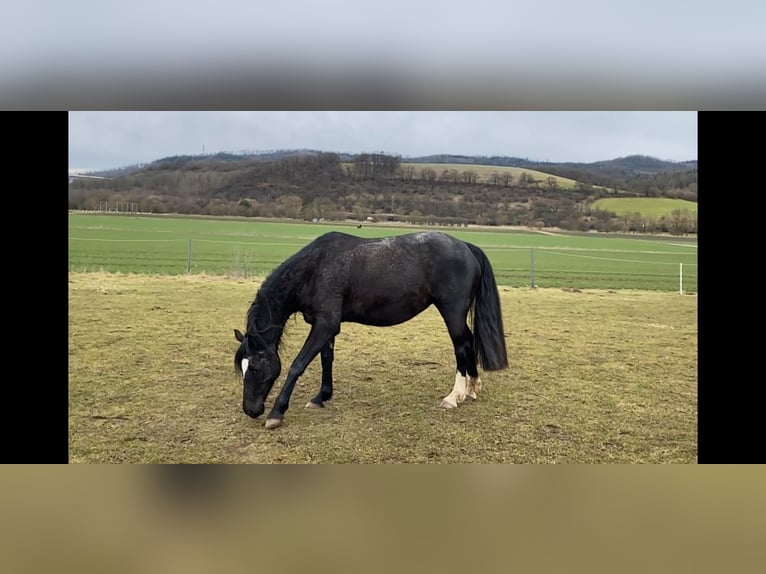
(238, 334)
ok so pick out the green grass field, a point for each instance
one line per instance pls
(245, 248)
(646, 206)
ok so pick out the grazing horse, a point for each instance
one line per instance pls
(381, 282)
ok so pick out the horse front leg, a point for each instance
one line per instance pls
(325, 392)
(321, 333)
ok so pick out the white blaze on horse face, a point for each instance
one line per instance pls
(245, 363)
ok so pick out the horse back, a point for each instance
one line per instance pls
(389, 280)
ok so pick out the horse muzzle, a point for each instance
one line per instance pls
(253, 410)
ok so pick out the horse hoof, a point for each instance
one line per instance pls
(445, 404)
(273, 423)
(472, 395)
(310, 405)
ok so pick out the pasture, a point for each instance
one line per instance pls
(595, 376)
(484, 173)
(249, 248)
(646, 206)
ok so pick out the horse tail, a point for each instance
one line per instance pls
(487, 318)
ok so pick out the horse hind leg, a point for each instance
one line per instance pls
(473, 386)
(467, 382)
(467, 385)
(473, 382)
(458, 394)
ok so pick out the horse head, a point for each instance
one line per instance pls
(259, 367)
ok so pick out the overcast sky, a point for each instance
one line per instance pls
(110, 139)
(484, 54)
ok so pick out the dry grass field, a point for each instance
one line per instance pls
(595, 376)
(484, 173)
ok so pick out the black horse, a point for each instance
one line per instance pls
(339, 277)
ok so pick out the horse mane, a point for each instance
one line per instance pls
(261, 335)
(276, 300)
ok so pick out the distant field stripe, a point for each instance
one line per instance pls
(249, 243)
(602, 250)
(117, 229)
(195, 240)
(694, 245)
(125, 240)
(548, 248)
(614, 258)
(588, 272)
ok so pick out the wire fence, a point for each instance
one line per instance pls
(513, 266)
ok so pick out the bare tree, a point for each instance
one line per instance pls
(290, 206)
(678, 223)
(429, 175)
(323, 208)
(469, 176)
(407, 173)
(552, 182)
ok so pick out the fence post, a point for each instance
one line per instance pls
(532, 266)
(681, 278)
(189, 258)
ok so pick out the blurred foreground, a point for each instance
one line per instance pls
(360, 519)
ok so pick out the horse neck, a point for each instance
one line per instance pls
(268, 315)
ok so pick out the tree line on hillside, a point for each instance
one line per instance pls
(320, 186)
(673, 184)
